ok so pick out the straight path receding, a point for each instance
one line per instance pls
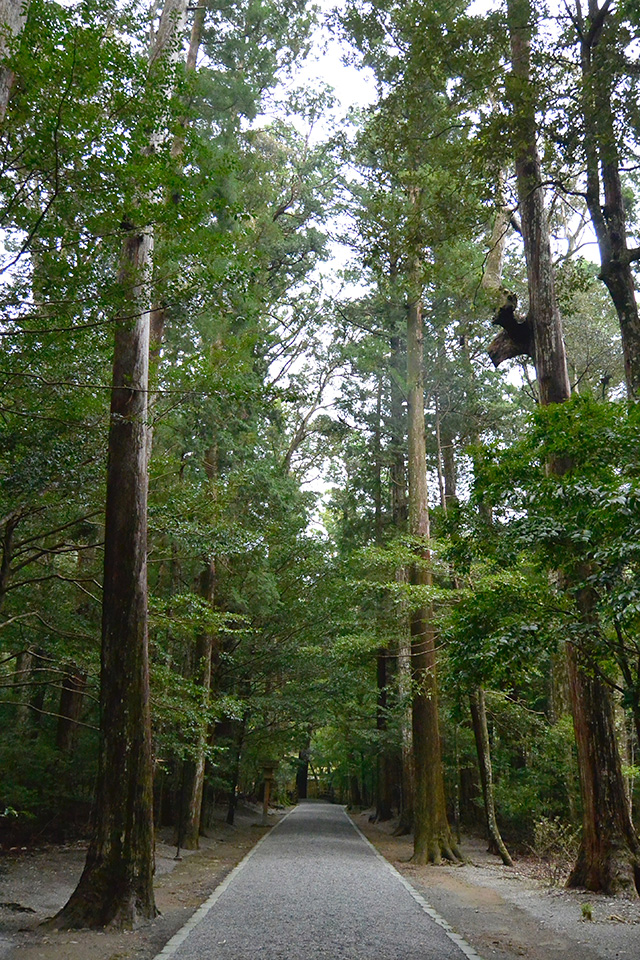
(314, 888)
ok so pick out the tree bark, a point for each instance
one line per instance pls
(116, 886)
(74, 684)
(549, 352)
(609, 853)
(405, 824)
(7, 555)
(13, 16)
(235, 772)
(384, 793)
(399, 513)
(432, 835)
(481, 734)
(189, 838)
(603, 182)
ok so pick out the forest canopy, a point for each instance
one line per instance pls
(319, 438)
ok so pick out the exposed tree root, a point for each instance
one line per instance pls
(616, 872)
(102, 900)
(435, 850)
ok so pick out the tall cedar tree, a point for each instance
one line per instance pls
(432, 835)
(116, 886)
(609, 856)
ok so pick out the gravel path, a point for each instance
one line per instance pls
(314, 888)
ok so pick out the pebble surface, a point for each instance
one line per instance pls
(314, 889)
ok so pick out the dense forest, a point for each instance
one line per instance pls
(319, 436)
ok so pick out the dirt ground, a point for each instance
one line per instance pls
(505, 913)
(34, 885)
(510, 912)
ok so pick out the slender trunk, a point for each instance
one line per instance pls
(494, 262)
(194, 773)
(439, 456)
(24, 661)
(7, 555)
(481, 734)
(432, 834)
(377, 446)
(116, 886)
(405, 824)
(235, 772)
(449, 472)
(74, 684)
(477, 701)
(399, 512)
(302, 774)
(384, 792)
(355, 798)
(609, 854)
(603, 178)
(194, 776)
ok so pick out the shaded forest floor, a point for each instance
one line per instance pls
(39, 882)
(504, 913)
(509, 912)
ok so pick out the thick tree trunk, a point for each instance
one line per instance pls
(432, 834)
(13, 16)
(549, 353)
(609, 841)
(603, 177)
(481, 734)
(116, 886)
(609, 855)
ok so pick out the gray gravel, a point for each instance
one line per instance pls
(315, 889)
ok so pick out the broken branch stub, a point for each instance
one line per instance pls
(516, 337)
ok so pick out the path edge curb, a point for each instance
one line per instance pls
(171, 946)
(456, 938)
